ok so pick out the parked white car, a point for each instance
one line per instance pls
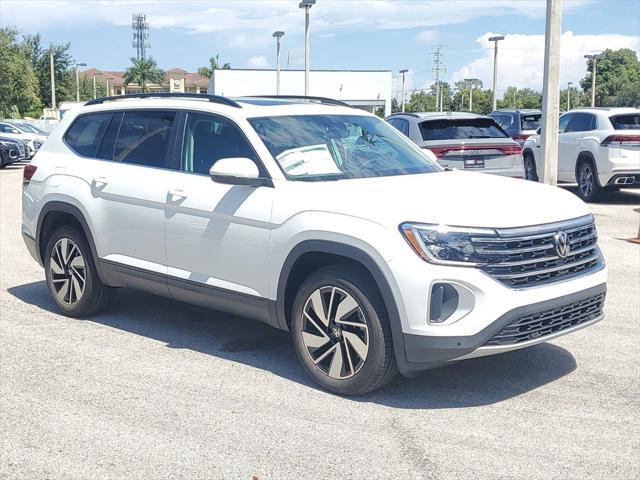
(463, 140)
(19, 131)
(312, 217)
(598, 148)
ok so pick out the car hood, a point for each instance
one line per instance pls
(450, 197)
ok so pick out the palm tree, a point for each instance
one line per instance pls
(142, 72)
(214, 65)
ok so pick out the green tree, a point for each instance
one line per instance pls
(142, 72)
(19, 92)
(86, 88)
(617, 78)
(214, 64)
(421, 101)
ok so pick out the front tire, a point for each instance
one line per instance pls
(589, 188)
(71, 274)
(341, 331)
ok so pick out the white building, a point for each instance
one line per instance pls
(366, 89)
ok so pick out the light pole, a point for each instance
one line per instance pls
(278, 35)
(53, 78)
(78, 80)
(495, 41)
(306, 4)
(471, 82)
(569, 95)
(594, 58)
(402, 94)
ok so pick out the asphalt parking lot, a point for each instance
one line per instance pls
(154, 388)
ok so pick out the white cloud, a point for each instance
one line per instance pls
(521, 58)
(427, 36)
(258, 62)
(266, 15)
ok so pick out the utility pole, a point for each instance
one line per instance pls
(551, 92)
(278, 35)
(107, 87)
(515, 92)
(569, 95)
(78, 80)
(402, 91)
(594, 59)
(437, 61)
(441, 96)
(94, 87)
(495, 41)
(53, 78)
(306, 4)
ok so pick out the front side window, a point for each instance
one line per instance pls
(6, 128)
(460, 128)
(564, 121)
(144, 138)
(209, 138)
(325, 147)
(85, 134)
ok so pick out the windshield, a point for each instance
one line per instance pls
(626, 122)
(462, 128)
(530, 122)
(325, 147)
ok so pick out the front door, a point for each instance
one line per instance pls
(217, 235)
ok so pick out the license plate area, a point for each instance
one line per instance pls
(474, 162)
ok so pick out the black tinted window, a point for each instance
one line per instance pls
(581, 122)
(460, 128)
(626, 122)
(401, 124)
(530, 122)
(85, 134)
(108, 144)
(144, 138)
(209, 138)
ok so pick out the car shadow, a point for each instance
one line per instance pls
(615, 197)
(476, 382)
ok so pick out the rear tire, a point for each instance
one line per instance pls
(530, 171)
(71, 274)
(341, 331)
(589, 188)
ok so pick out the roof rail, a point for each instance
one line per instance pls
(306, 98)
(195, 96)
(409, 114)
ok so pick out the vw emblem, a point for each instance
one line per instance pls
(561, 242)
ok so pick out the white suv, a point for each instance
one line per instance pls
(598, 148)
(312, 217)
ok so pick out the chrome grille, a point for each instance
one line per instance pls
(547, 322)
(21, 149)
(521, 258)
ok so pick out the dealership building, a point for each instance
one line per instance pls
(365, 89)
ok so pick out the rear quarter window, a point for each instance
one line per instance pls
(530, 122)
(453, 129)
(85, 134)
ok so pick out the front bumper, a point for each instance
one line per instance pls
(424, 352)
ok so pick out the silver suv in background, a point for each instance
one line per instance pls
(463, 140)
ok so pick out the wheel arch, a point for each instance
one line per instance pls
(325, 250)
(584, 156)
(55, 214)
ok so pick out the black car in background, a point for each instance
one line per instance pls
(12, 151)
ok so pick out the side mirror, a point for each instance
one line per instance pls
(238, 171)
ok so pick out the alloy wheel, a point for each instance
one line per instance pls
(335, 333)
(586, 181)
(68, 272)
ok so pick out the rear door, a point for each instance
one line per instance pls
(129, 172)
(471, 144)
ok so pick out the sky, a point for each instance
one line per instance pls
(345, 34)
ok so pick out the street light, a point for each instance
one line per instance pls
(569, 95)
(594, 58)
(471, 82)
(306, 4)
(403, 72)
(278, 35)
(495, 41)
(78, 80)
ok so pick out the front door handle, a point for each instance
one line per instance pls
(100, 180)
(178, 193)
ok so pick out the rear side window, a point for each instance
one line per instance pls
(626, 122)
(85, 134)
(144, 138)
(581, 122)
(530, 122)
(460, 129)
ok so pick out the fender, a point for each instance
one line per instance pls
(354, 253)
(588, 155)
(57, 206)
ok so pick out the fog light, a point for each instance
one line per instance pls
(443, 302)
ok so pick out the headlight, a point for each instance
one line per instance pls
(7, 144)
(37, 144)
(445, 245)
